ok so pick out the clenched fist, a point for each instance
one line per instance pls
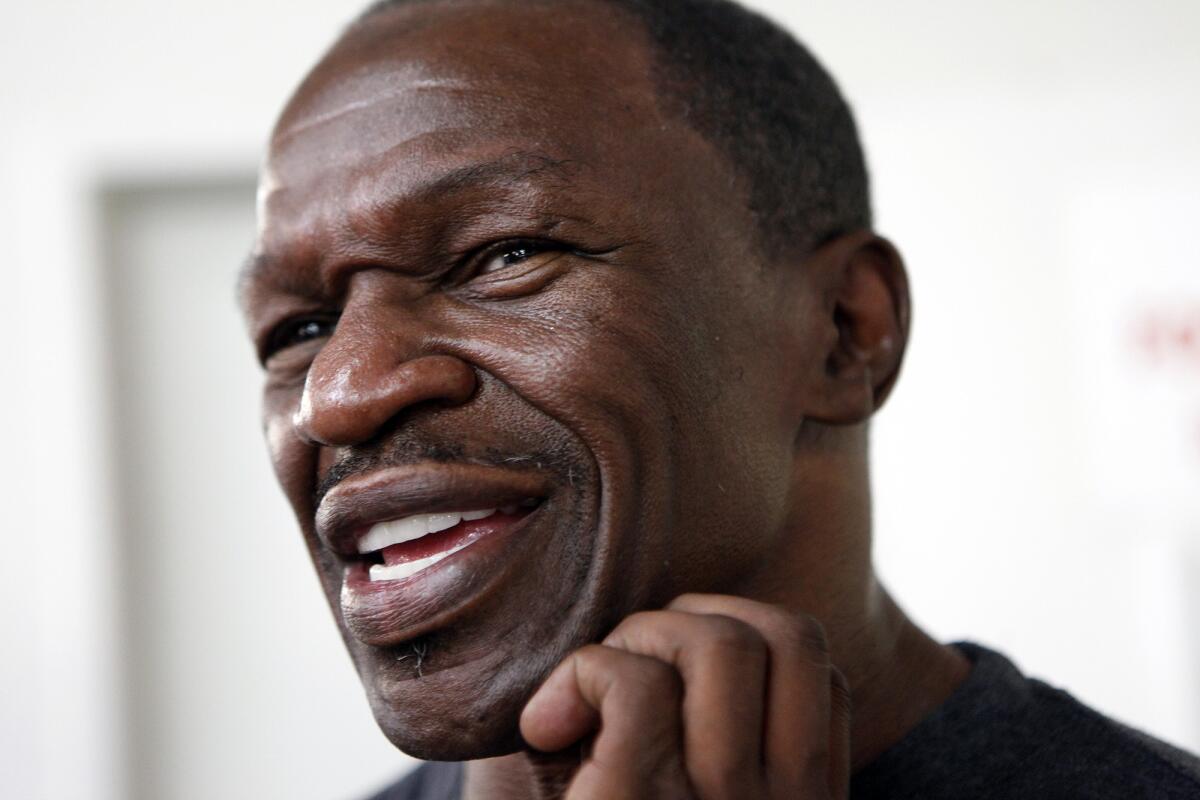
(713, 698)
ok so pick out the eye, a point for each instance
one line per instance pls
(298, 331)
(512, 253)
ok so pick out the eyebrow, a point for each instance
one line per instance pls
(509, 169)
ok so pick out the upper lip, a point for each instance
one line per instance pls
(350, 509)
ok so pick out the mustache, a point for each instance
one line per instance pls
(410, 453)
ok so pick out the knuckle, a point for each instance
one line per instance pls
(642, 678)
(589, 652)
(637, 625)
(641, 619)
(688, 600)
(780, 624)
(658, 679)
(728, 635)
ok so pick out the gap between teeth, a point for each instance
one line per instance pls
(398, 531)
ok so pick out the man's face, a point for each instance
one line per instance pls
(493, 273)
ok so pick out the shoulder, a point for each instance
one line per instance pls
(1080, 749)
(1003, 735)
(433, 780)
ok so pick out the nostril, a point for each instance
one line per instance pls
(351, 403)
(443, 378)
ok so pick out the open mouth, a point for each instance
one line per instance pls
(398, 549)
(420, 544)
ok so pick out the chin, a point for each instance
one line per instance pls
(457, 694)
(436, 730)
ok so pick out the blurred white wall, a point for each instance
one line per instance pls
(1036, 471)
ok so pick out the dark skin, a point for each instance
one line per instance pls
(492, 265)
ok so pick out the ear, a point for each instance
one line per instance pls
(864, 315)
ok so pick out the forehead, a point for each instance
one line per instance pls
(468, 120)
(416, 69)
(576, 51)
(432, 87)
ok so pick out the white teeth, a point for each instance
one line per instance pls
(396, 531)
(384, 534)
(396, 572)
(439, 522)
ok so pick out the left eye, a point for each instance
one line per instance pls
(511, 254)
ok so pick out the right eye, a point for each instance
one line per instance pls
(298, 331)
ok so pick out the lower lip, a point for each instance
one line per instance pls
(389, 612)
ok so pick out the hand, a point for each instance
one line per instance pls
(712, 698)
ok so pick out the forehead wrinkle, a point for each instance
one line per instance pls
(381, 195)
(410, 86)
(512, 168)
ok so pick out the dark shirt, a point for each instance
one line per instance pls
(1000, 736)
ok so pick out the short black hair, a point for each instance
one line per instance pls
(758, 95)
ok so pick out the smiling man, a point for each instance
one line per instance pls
(573, 321)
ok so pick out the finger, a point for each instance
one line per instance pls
(723, 663)
(839, 735)
(796, 729)
(633, 701)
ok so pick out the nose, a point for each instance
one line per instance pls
(357, 383)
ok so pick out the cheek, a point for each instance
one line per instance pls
(681, 409)
(595, 354)
(278, 432)
(632, 377)
(292, 459)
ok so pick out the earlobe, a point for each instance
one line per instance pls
(865, 289)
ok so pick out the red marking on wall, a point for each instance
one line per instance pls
(1167, 339)
(1169, 336)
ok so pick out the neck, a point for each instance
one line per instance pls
(897, 676)
(897, 673)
